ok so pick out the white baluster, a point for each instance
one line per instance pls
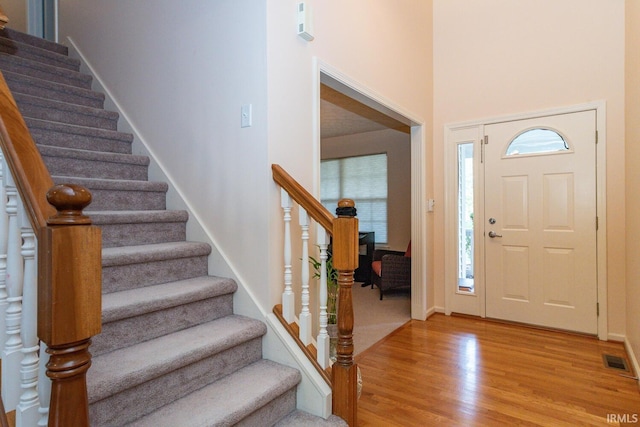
(44, 387)
(12, 355)
(323, 337)
(305, 315)
(27, 410)
(288, 297)
(4, 238)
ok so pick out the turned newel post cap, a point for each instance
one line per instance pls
(346, 207)
(69, 200)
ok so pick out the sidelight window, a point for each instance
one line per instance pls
(465, 219)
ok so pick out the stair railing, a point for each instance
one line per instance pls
(50, 283)
(343, 230)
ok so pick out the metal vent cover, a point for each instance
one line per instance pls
(615, 362)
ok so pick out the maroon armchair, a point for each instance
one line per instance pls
(391, 270)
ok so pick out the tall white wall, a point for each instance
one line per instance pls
(16, 11)
(181, 72)
(500, 57)
(632, 154)
(384, 46)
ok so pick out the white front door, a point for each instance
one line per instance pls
(540, 221)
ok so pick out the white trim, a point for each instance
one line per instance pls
(633, 358)
(314, 386)
(325, 73)
(601, 209)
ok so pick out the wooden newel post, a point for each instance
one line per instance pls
(345, 260)
(69, 301)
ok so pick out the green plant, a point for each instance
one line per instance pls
(332, 286)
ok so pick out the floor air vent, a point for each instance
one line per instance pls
(615, 362)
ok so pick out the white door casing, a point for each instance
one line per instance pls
(541, 268)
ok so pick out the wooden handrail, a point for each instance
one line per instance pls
(69, 266)
(25, 163)
(298, 193)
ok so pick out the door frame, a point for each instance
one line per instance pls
(337, 80)
(476, 127)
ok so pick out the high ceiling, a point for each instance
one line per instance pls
(341, 115)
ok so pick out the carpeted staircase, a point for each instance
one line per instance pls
(171, 351)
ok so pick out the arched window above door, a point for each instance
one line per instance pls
(537, 141)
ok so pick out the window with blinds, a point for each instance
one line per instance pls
(362, 179)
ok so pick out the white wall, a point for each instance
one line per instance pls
(180, 74)
(397, 146)
(632, 154)
(500, 57)
(384, 46)
(16, 11)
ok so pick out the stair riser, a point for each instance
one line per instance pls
(45, 72)
(22, 50)
(272, 412)
(34, 41)
(126, 332)
(81, 142)
(52, 92)
(153, 394)
(114, 235)
(125, 200)
(81, 168)
(124, 277)
(69, 116)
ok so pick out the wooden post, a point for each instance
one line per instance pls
(345, 260)
(69, 301)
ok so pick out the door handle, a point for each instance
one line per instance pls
(493, 234)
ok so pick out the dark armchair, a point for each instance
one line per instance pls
(391, 270)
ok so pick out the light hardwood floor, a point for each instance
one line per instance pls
(461, 371)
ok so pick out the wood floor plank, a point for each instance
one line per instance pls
(461, 371)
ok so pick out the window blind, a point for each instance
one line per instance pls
(362, 179)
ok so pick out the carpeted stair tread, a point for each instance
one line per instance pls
(301, 418)
(25, 50)
(118, 194)
(94, 164)
(127, 367)
(80, 137)
(119, 305)
(133, 228)
(34, 86)
(128, 217)
(90, 155)
(125, 255)
(34, 41)
(229, 400)
(112, 184)
(41, 70)
(45, 109)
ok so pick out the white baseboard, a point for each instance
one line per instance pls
(633, 358)
(616, 337)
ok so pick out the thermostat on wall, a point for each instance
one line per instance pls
(304, 21)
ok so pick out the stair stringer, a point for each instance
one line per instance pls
(313, 394)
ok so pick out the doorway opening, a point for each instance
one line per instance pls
(362, 113)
